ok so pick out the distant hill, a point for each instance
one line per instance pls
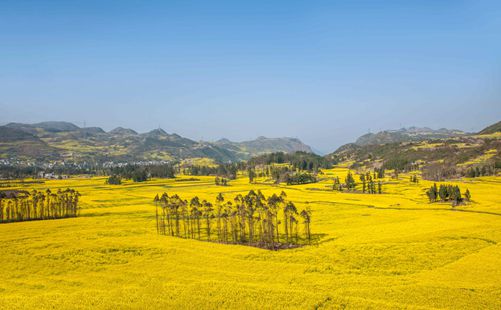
(8, 134)
(491, 129)
(263, 145)
(48, 126)
(123, 131)
(66, 141)
(407, 135)
(24, 145)
(438, 153)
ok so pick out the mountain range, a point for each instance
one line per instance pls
(452, 151)
(67, 141)
(64, 141)
(407, 135)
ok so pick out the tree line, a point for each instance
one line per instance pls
(475, 172)
(283, 174)
(228, 170)
(448, 192)
(221, 181)
(369, 185)
(271, 222)
(302, 161)
(114, 180)
(17, 206)
(34, 170)
(400, 163)
(300, 178)
(140, 173)
(300, 167)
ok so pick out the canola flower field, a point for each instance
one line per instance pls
(393, 250)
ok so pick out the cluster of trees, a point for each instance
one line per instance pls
(291, 176)
(447, 192)
(228, 170)
(369, 185)
(279, 174)
(16, 172)
(268, 171)
(300, 178)
(141, 173)
(337, 186)
(302, 161)
(268, 222)
(251, 173)
(114, 180)
(449, 170)
(16, 206)
(161, 171)
(475, 172)
(221, 181)
(349, 181)
(379, 173)
(401, 163)
(291, 168)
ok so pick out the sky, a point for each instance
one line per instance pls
(325, 72)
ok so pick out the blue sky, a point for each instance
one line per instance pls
(323, 71)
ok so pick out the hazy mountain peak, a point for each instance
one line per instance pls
(223, 141)
(158, 132)
(123, 131)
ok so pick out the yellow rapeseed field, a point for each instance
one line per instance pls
(393, 250)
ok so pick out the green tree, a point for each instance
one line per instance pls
(350, 181)
(467, 195)
(252, 175)
(306, 215)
